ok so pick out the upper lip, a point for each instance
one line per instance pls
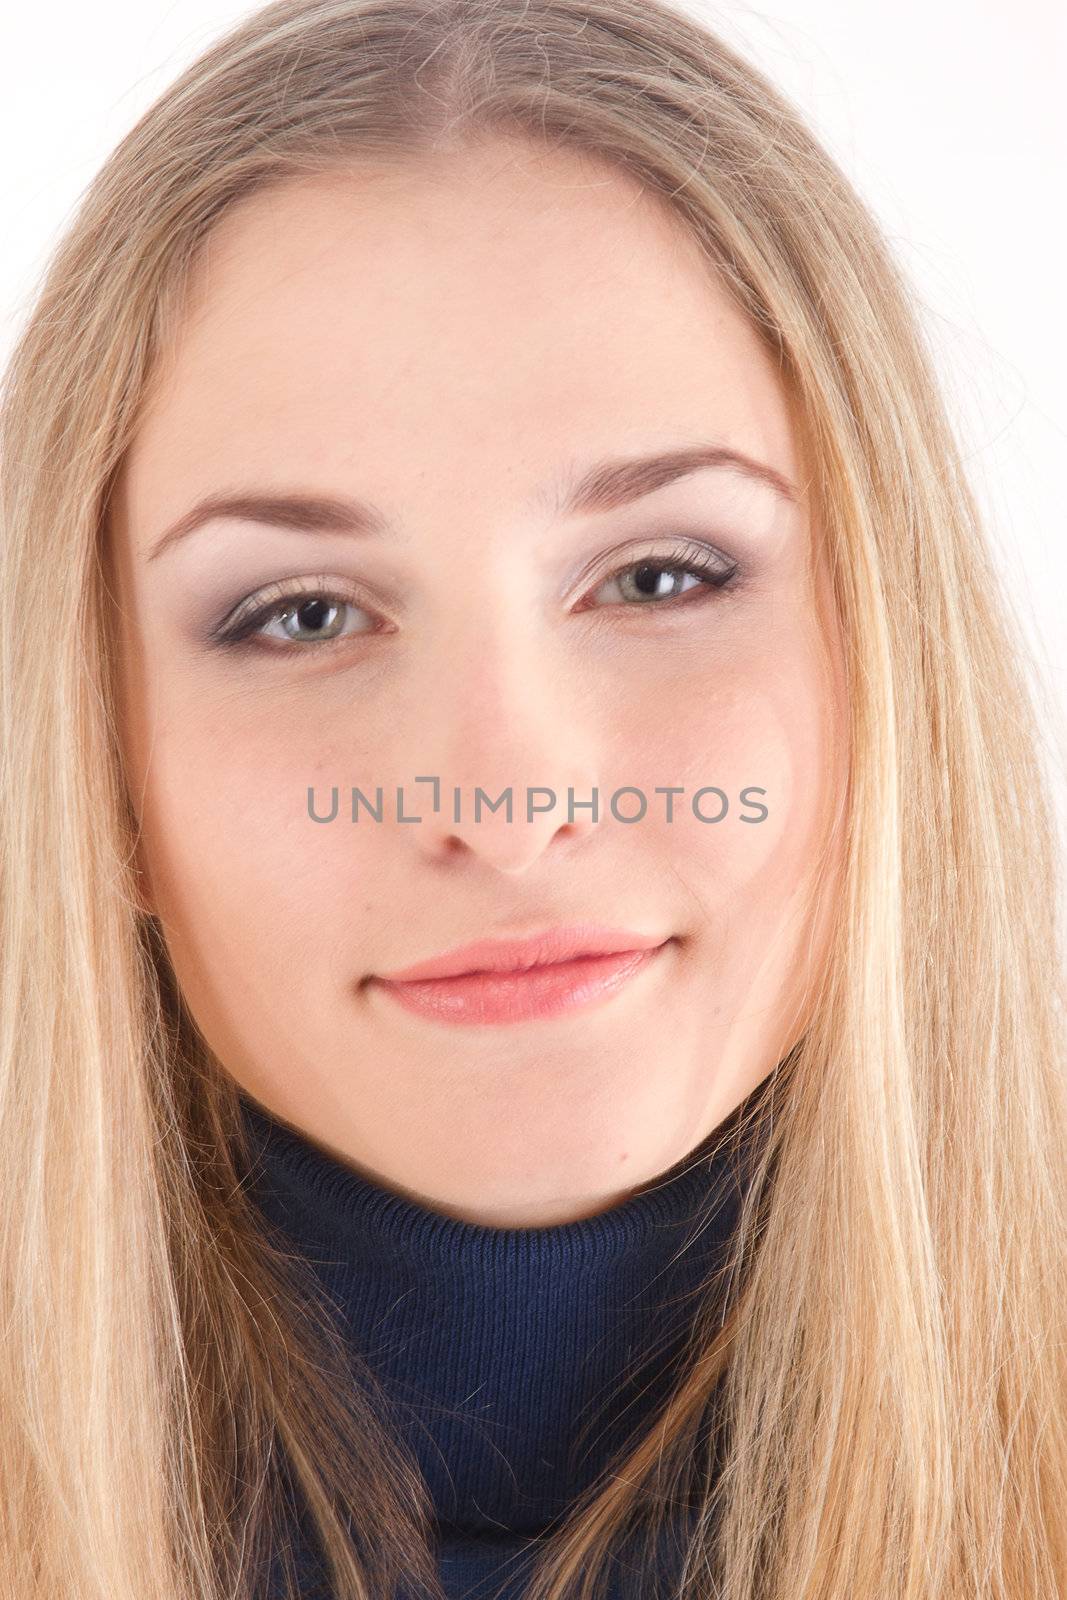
(513, 955)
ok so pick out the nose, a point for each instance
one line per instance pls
(516, 768)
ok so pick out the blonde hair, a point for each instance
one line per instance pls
(890, 1378)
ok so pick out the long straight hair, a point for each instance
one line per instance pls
(889, 1377)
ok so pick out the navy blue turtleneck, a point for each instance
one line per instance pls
(520, 1359)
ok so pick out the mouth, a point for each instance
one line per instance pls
(505, 981)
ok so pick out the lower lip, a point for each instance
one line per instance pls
(521, 996)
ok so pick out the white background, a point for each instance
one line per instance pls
(948, 115)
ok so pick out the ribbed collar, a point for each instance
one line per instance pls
(519, 1359)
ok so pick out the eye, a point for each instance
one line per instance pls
(655, 578)
(284, 616)
(288, 616)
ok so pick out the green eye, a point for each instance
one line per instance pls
(305, 616)
(641, 582)
(314, 613)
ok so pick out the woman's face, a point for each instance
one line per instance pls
(457, 345)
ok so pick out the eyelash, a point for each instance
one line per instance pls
(690, 557)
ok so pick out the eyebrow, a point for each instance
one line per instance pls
(605, 486)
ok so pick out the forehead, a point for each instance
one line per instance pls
(501, 311)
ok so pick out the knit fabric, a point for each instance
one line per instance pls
(518, 1360)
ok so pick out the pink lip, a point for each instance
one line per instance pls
(514, 980)
(537, 950)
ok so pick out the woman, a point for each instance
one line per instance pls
(439, 403)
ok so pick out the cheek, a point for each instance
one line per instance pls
(245, 882)
(764, 724)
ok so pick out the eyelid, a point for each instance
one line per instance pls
(683, 546)
(711, 560)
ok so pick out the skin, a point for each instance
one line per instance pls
(449, 340)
